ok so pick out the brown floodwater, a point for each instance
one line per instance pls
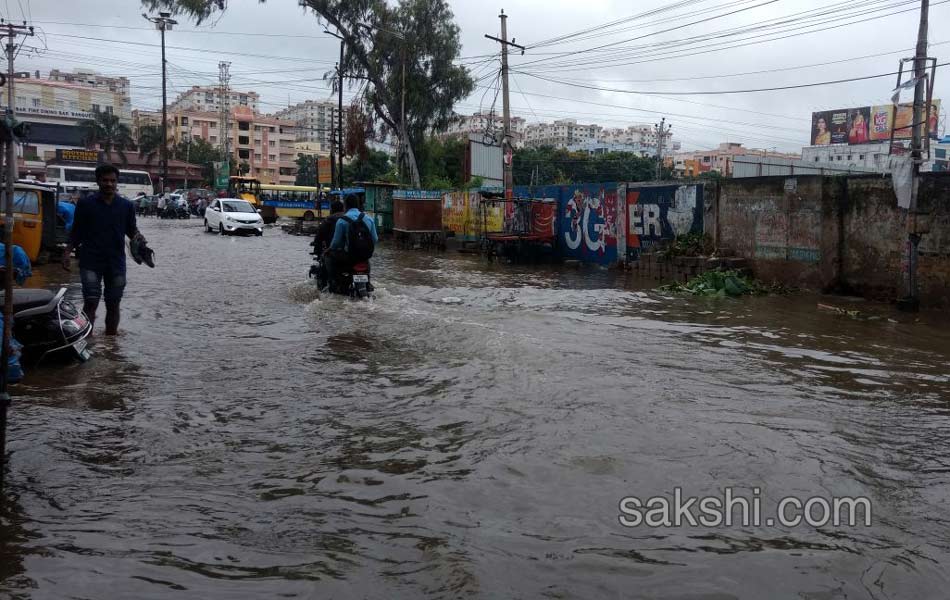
(469, 433)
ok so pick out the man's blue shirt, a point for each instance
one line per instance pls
(99, 232)
(343, 227)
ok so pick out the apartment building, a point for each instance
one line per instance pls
(482, 123)
(560, 134)
(55, 110)
(93, 79)
(209, 99)
(721, 159)
(315, 123)
(264, 143)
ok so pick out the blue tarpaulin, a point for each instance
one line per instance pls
(67, 211)
(21, 263)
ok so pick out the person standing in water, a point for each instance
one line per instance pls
(103, 221)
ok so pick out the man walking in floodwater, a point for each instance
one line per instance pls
(102, 223)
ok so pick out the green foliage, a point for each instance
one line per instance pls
(306, 170)
(198, 152)
(442, 163)
(557, 166)
(691, 244)
(475, 183)
(382, 37)
(723, 284)
(375, 166)
(106, 131)
(150, 142)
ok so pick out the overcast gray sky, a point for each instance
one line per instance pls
(286, 59)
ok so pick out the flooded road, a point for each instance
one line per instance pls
(470, 433)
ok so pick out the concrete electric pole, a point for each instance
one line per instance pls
(164, 22)
(661, 131)
(11, 32)
(911, 300)
(224, 96)
(507, 149)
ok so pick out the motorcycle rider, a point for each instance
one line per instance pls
(326, 229)
(340, 255)
(321, 241)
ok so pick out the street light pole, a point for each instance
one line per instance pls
(163, 22)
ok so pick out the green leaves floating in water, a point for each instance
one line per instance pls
(723, 284)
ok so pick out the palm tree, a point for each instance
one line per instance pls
(150, 143)
(106, 131)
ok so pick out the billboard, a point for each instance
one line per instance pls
(324, 170)
(867, 124)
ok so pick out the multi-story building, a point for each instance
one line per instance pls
(484, 123)
(144, 118)
(55, 110)
(560, 134)
(209, 99)
(87, 78)
(264, 143)
(315, 122)
(720, 160)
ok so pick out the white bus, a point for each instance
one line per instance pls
(130, 182)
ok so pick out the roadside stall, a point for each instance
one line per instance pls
(417, 219)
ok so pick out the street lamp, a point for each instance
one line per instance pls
(163, 22)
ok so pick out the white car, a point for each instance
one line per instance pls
(233, 215)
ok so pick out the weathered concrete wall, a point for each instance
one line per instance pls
(780, 225)
(834, 233)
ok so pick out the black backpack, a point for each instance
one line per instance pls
(359, 239)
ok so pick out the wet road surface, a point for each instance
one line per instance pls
(470, 433)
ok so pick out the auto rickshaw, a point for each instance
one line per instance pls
(37, 228)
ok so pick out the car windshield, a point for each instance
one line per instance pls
(238, 206)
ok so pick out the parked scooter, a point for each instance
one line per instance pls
(48, 325)
(353, 282)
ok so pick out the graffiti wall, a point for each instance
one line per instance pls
(588, 221)
(657, 213)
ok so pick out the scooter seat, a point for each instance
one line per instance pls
(24, 299)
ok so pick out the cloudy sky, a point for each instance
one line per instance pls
(628, 62)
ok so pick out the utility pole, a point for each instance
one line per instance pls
(506, 149)
(163, 22)
(911, 300)
(11, 32)
(187, 156)
(661, 131)
(339, 116)
(224, 95)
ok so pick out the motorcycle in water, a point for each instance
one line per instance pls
(352, 281)
(48, 325)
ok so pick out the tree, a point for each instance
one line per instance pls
(199, 152)
(546, 166)
(374, 167)
(306, 170)
(150, 143)
(106, 131)
(379, 39)
(443, 162)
